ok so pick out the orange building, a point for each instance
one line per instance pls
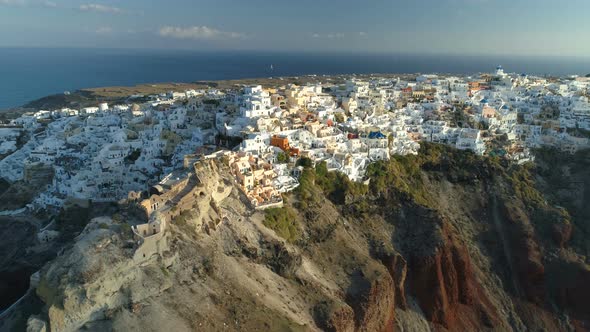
(280, 142)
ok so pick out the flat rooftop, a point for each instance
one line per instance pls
(173, 178)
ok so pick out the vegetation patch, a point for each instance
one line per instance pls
(524, 188)
(282, 158)
(213, 102)
(133, 156)
(72, 220)
(405, 176)
(337, 186)
(183, 218)
(284, 222)
(579, 132)
(228, 141)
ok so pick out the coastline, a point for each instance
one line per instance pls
(85, 97)
(31, 75)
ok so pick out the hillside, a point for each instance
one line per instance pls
(443, 241)
(88, 97)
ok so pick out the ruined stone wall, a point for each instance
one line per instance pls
(200, 192)
(178, 187)
(159, 202)
(155, 244)
(210, 181)
(148, 204)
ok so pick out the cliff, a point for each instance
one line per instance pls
(442, 241)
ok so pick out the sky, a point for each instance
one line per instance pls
(487, 27)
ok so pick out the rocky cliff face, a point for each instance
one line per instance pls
(96, 277)
(443, 241)
(446, 288)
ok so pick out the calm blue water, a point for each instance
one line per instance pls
(28, 74)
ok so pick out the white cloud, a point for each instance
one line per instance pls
(89, 7)
(337, 35)
(29, 3)
(13, 2)
(197, 33)
(104, 30)
(93, 7)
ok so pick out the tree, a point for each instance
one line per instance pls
(133, 156)
(305, 162)
(282, 158)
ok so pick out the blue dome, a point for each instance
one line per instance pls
(484, 101)
(505, 107)
(376, 134)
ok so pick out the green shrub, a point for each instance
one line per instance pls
(284, 222)
(305, 162)
(73, 219)
(126, 230)
(401, 176)
(337, 186)
(117, 218)
(133, 156)
(214, 102)
(524, 187)
(282, 158)
(307, 193)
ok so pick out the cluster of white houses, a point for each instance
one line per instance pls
(103, 153)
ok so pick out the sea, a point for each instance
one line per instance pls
(27, 74)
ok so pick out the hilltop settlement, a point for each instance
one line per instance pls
(110, 153)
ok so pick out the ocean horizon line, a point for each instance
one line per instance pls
(32, 73)
(303, 52)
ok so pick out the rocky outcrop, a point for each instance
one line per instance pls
(21, 254)
(36, 324)
(437, 255)
(447, 290)
(93, 278)
(334, 316)
(375, 307)
(561, 233)
(569, 283)
(397, 267)
(277, 257)
(526, 254)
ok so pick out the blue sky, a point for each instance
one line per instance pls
(511, 27)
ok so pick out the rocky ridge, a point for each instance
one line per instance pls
(442, 241)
